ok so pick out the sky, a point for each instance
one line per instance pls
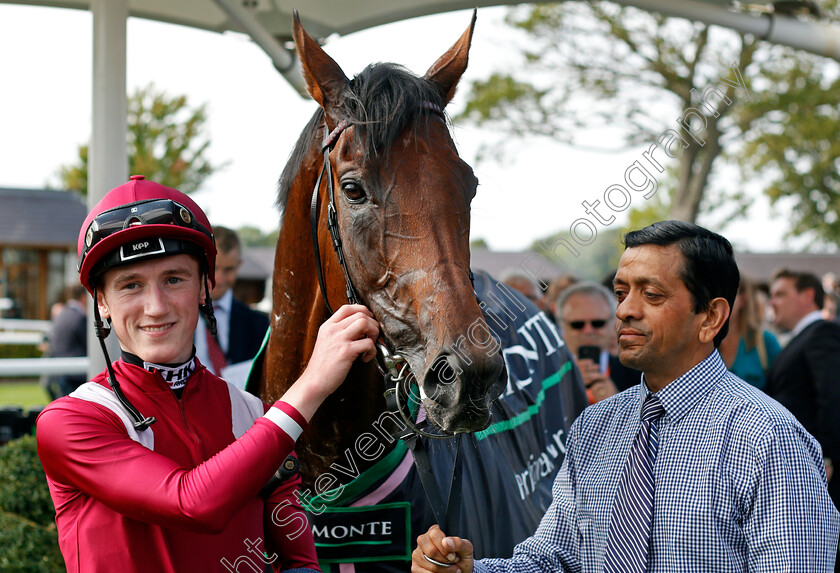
(255, 117)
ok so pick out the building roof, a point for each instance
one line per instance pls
(257, 263)
(761, 266)
(499, 263)
(40, 218)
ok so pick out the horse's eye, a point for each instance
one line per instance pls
(353, 191)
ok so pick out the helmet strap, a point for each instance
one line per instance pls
(140, 422)
(207, 308)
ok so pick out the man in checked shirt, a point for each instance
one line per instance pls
(733, 482)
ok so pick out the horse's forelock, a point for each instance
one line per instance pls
(381, 101)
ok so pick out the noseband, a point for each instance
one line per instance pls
(392, 366)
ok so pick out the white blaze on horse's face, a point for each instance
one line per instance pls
(403, 196)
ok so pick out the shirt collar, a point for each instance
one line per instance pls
(679, 396)
(176, 375)
(806, 321)
(225, 302)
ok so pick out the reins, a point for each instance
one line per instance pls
(393, 367)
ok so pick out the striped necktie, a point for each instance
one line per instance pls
(629, 537)
(215, 352)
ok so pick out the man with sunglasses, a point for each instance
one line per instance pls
(586, 315)
(157, 464)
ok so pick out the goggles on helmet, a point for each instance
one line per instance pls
(153, 212)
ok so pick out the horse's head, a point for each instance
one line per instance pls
(402, 198)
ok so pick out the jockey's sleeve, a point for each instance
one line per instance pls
(287, 530)
(87, 447)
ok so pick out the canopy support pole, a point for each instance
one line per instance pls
(108, 153)
(285, 61)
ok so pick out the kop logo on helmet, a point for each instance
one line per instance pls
(143, 219)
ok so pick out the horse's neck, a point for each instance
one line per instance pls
(298, 311)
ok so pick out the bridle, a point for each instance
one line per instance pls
(393, 367)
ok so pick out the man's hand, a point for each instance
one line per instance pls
(598, 384)
(436, 546)
(348, 334)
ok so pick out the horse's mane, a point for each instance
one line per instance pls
(379, 102)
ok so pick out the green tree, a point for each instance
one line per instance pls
(254, 237)
(166, 143)
(597, 69)
(795, 149)
(593, 262)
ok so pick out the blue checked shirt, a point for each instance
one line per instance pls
(740, 485)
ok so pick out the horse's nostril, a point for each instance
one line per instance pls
(445, 368)
(441, 381)
(450, 379)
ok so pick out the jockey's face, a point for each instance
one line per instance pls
(153, 307)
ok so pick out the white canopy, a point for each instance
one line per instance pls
(269, 22)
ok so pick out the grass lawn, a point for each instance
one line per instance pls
(25, 393)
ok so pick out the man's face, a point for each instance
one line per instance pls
(153, 307)
(587, 320)
(789, 305)
(227, 267)
(658, 331)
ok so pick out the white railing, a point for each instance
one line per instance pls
(17, 331)
(23, 324)
(43, 366)
(23, 332)
(21, 338)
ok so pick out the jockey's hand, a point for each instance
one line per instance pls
(436, 546)
(348, 334)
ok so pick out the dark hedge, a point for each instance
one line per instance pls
(28, 537)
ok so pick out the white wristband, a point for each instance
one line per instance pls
(284, 422)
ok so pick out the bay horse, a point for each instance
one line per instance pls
(403, 210)
(487, 364)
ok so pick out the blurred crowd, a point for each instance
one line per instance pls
(783, 338)
(763, 319)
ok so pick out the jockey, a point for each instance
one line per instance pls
(157, 464)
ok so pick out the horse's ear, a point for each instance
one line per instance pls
(449, 68)
(325, 80)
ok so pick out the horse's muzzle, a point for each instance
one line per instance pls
(458, 390)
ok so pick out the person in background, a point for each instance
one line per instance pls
(694, 470)
(805, 377)
(830, 284)
(157, 464)
(607, 281)
(749, 349)
(68, 338)
(525, 285)
(586, 316)
(829, 310)
(240, 329)
(552, 293)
